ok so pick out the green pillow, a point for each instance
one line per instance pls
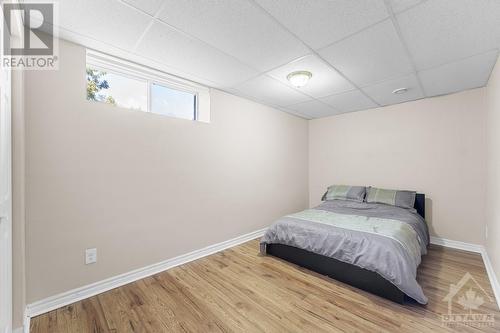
(345, 192)
(404, 199)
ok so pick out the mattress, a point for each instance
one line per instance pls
(381, 238)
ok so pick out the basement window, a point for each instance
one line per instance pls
(173, 102)
(115, 89)
(124, 84)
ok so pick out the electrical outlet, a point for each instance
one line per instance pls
(90, 256)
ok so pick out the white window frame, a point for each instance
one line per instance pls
(104, 62)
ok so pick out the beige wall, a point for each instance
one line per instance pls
(434, 146)
(141, 187)
(493, 169)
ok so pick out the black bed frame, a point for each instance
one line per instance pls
(344, 272)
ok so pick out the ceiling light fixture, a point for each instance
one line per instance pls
(400, 91)
(299, 78)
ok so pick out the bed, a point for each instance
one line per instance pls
(332, 239)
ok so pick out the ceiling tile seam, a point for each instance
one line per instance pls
(312, 50)
(141, 37)
(266, 72)
(368, 27)
(392, 78)
(258, 71)
(286, 109)
(295, 113)
(338, 94)
(261, 73)
(317, 100)
(352, 34)
(256, 100)
(253, 98)
(148, 27)
(311, 98)
(396, 26)
(291, 87)
(418, 72)
(126, 4)
(206, 44)
(411, 7)
(287, 63)
(213, 84)
(153, 18)
(458, 60)
(156, 19)
(253, 77)
(297, 90)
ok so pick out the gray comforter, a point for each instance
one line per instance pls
(381, 238)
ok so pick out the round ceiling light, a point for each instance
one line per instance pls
(299, 78)
(400, 91)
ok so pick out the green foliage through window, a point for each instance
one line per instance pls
(96, 82)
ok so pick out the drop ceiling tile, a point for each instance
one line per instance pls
(169, 46)
(442, 31)
(270, 91)
(324, 81)
(372, 55)
(149, 6)
(469, 73)
(349, 101)
(382, 92)
(91, 18)
(313, 109)
(236, 27)
(401, 5)
(322, 22)
(134, 57)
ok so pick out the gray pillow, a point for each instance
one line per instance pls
(345, 192)
(404, 199)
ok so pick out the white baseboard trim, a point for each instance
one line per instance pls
(491, 276)
(27, 321)
(456, 244)
(477, 249)
(75, 295)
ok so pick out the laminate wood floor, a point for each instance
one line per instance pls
(238, 290)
